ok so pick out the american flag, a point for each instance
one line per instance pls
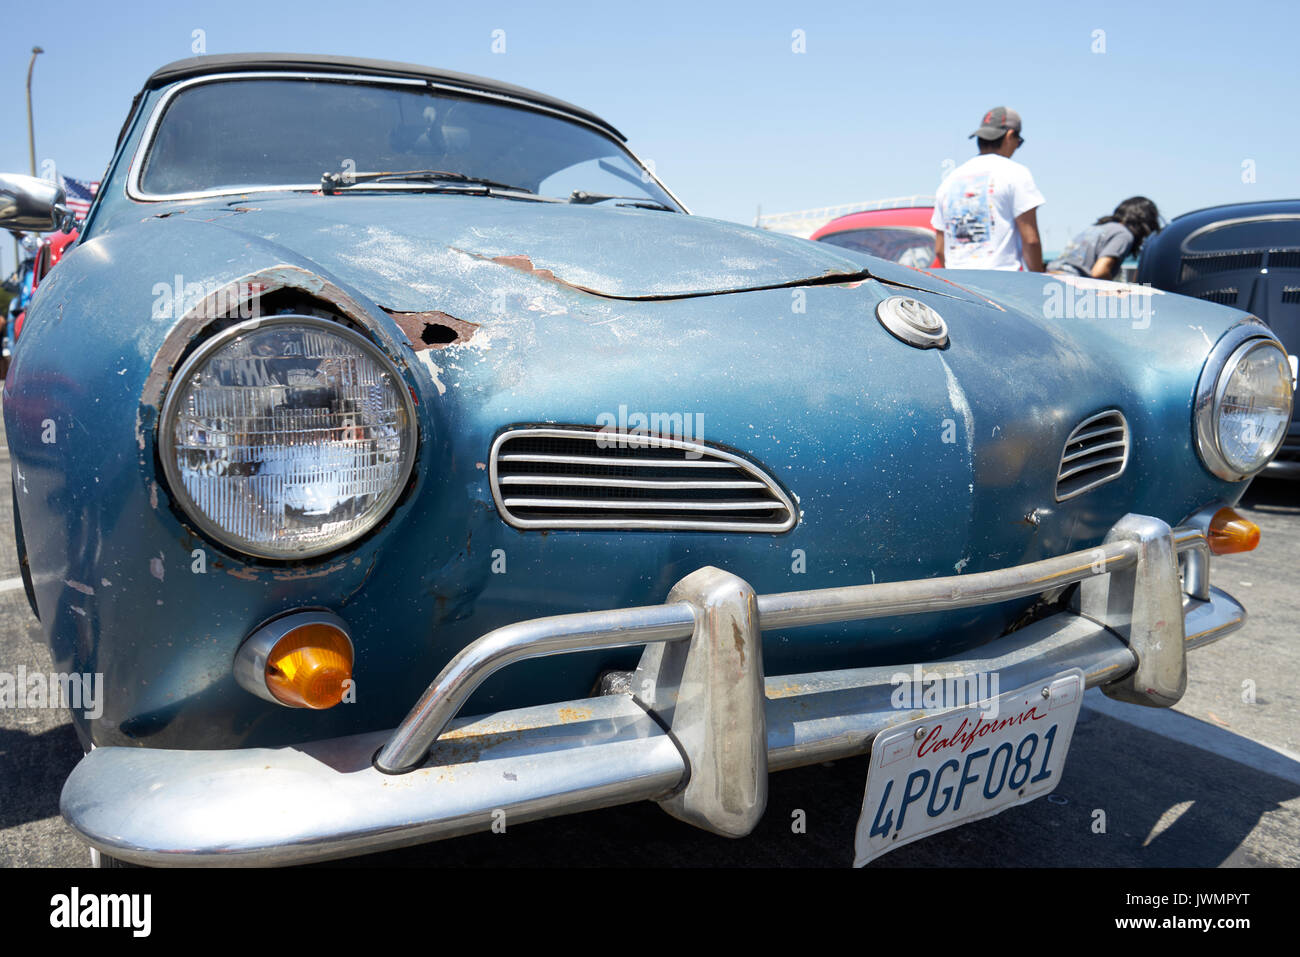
(79, 193)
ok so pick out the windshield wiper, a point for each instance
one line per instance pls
(333, 182)
(583, 198)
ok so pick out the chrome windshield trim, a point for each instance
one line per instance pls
(136, 192)
(1224, 224)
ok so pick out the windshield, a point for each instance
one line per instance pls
(249, 133)
(908, 245)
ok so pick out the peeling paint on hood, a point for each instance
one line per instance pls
(604, 250)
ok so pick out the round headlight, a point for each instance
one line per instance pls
(287, 437)
(1243, 407)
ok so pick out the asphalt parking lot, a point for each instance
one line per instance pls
(1214, 782)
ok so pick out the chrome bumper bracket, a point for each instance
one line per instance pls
(1143, 604)
(709, 691)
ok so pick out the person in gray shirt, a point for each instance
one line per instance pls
(1099, 249)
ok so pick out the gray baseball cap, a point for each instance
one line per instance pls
(996, 122)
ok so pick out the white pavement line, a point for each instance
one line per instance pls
(11, 584)
(1183, 728)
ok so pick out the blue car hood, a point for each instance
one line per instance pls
(386, 245)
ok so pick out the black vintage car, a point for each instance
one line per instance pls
(1245, 255)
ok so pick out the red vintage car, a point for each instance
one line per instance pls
(51, 250)
(902, 235)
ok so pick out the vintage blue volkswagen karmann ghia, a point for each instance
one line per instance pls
(402, 456)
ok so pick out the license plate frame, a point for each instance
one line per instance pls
(925, 749)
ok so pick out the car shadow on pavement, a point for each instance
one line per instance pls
(1273, 495)
(1171, 804)
(33, 766)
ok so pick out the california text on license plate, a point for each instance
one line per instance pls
(957, 766)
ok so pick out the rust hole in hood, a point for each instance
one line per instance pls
(433, 330)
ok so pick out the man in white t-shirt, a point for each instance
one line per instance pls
(985, 212)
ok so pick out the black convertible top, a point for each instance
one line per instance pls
(317, 63)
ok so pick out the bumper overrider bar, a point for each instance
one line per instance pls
(699, 732)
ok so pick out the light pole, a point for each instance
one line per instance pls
(31, 136)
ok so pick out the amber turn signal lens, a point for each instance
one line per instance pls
(1230, 533)
(310, 666)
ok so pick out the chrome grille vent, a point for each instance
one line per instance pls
(1284, 259)
(1224, 297)
(1195, 266)
(571, 477)
(1095, 453)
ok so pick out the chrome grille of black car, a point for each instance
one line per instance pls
(1095, 453)
(571, 477)
(1291, 295)
(1284, 259)
(1196, 266)
(1224, 297)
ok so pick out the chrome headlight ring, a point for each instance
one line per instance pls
(287, 437)
(1241, 344)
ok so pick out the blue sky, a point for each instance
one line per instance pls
(733, 118)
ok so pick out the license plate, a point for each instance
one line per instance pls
(969, 763)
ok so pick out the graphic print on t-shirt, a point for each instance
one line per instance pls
(976, 210)
(966, 210)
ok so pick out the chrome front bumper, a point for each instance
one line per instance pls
(700, 676)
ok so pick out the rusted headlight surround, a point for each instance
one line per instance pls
(287, 437)
(1243, 406)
